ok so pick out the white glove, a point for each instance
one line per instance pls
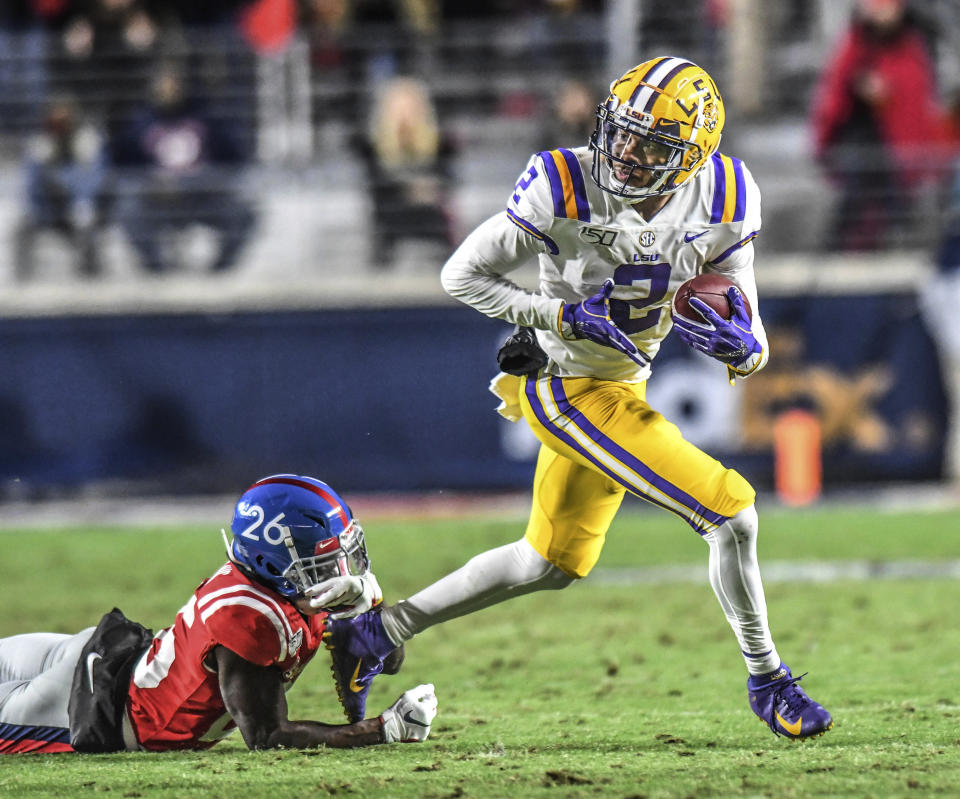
(408, 719)
(350, 595)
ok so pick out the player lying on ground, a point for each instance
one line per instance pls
(233, 650)
(617, 227)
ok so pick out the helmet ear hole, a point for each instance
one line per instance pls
(265, 564)
(320, 519)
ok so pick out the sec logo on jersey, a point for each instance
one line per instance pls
(647, 238)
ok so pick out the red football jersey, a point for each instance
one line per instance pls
(174, 700)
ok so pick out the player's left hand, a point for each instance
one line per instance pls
(590, 319)
(346, 596)
(408, 719)
(521, 354)
(728, 340)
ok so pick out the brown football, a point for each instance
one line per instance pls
(710, 288)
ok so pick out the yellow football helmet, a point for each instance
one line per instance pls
(656, 130)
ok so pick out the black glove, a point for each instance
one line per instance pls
(520, 354)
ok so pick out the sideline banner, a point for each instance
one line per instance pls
(396, 399)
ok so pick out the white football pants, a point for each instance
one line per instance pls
(36, 675)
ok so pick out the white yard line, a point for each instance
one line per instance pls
(218, 510)
(135, 513)
(784, 571)
(101, 508)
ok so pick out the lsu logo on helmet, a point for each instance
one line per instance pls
(657, 128)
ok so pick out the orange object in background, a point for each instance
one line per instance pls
(797, 461)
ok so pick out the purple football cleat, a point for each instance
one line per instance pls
(358, 648)
(787, 710)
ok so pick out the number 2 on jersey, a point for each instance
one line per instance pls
(656, 279)
(524, 183)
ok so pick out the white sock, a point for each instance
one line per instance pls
(735, 577)
(488, 578)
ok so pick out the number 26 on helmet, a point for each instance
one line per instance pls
(291, 532)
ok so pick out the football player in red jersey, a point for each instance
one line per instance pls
(244, 636)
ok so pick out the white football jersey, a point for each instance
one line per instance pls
(582, 235)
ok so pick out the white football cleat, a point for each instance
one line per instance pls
(408, 719)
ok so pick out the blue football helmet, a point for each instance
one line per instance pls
(291, 532)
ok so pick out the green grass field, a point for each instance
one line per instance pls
(603, 689)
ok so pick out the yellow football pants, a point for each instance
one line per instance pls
(599, 440)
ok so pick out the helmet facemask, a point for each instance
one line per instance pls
(633, 159)
(338, 556)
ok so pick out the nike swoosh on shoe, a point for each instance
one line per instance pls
(354, 685)
(92, 659)
(794, 728)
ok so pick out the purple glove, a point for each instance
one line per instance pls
(590, 319)
(728, 340)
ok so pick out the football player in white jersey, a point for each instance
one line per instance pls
(616, 227)
(235, 647)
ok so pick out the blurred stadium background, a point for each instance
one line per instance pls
(264, 295)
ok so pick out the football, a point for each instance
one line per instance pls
(710, 288)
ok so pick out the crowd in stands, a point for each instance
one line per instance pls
(881, 129)
(123, 124)
(142, 114)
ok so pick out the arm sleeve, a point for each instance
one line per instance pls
(476, 272)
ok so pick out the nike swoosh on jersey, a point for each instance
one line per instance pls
(793, 729)
(688, 237)
(354, 686)
(92, 659)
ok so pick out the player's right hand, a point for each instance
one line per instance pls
(590, 319)
(408, 719)
(728, 340)
(346, 596)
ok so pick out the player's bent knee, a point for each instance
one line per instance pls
(541, 572)
(556, 578)
(745, 525)
(733, 493)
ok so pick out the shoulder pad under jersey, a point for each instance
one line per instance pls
(251, 622)
(553, 187)
(733, 204)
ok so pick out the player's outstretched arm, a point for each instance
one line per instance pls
(255, 699)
